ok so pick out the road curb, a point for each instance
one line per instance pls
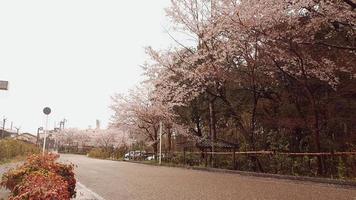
(84, 193)
(335, 182)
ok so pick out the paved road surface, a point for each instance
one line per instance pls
(128, 181)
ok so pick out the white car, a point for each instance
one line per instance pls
(127, 156)
(150, 157)
(134, 154)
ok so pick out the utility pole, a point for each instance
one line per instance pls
(17, 130)
(3, 127)
(62, 124)
(160, 142)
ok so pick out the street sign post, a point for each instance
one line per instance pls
(46, 111)
(4, 85)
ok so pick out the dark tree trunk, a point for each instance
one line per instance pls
(212, 125)
(155, 145)
(316, 131)
(254, 159)
(169, 140)
(155, 150)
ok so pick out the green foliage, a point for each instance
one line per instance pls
(10, 149)
(99, 153)
(108, 153)
(341, 169)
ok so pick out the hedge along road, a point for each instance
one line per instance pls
(122, 180)
(3, 169)
(83, 193)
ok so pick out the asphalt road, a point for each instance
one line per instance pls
(128, 181)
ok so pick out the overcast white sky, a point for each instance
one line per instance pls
(72, 55)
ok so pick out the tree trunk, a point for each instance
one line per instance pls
(316, 132)
(155, 145)
(253, 122)
(169, 140)
(254, 159)
(155, 150)
(212, 125)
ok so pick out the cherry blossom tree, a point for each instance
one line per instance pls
(137, 113)
(250, 62)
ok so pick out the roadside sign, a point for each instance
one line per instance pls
(46, 111)
(4, 85)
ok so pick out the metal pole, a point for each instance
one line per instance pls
(45, 136)
(160, 142)
(64, 121)
(3, 127)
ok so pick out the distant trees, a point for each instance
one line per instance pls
(270, 75)
(107, 139)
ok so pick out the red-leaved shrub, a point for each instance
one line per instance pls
(39, 185)
(41, 178)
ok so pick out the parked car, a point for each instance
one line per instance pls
(152, 157)
(127, 156)
(135, 155)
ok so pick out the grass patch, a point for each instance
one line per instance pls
(14, 150)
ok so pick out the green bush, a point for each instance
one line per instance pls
(106, 153)
(99, 153)
(10, 149)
